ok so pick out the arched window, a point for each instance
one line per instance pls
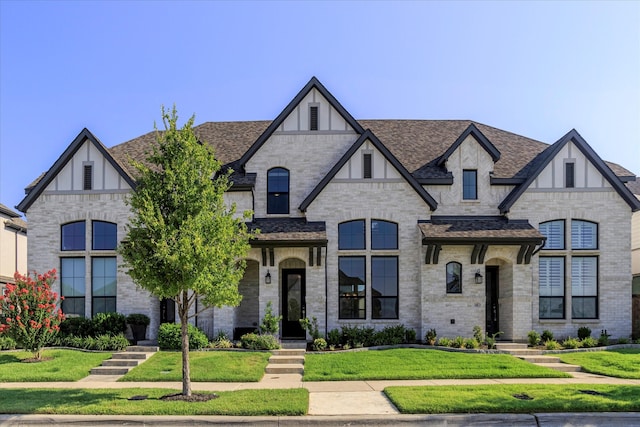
(73, 236)
(384, 234)
(454, 278)
(584, 234)
(105, 235)
(351, 235)
(554, 232)
(278, 191)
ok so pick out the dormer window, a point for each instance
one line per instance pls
(569, 175)
(87, 177)
(469, 184)
(313, 117)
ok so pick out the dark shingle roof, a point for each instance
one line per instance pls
(482, 228)
(288, 230)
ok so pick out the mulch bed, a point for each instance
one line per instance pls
(195, 397)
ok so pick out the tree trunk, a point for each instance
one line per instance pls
(186, 371)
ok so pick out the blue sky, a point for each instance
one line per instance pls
(537, 69)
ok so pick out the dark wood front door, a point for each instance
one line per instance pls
(492, 315)
(293, 304)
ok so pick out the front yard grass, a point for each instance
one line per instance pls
(520, 398)
(65, 365)
(214, 366)
(414, 364)
(622, 363)
(116, 402)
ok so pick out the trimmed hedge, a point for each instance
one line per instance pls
(170, 337)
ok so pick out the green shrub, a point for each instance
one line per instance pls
(584, 332)
(109, 324)
(457, 342)
(471, 343)
(534, 338)
(444, 341)
(430, 337)
(410, 335)
(76, 326)
(604, 338)
(311, 326)
(333, 337)
(547, 335)
(552, 345)
(319, 344)
(589, 342)
(170, 337)
(491, 340)
(270, 324)
(100, 343)
(253, 341)
(390, 335)
(571, 343)
(358, 336)
(7, 343)
(138, 319)
(221, 341)
(477, 333)
(622, 341)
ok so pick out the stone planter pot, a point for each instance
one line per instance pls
(139, 332)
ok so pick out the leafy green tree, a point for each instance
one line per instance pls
(183, 242)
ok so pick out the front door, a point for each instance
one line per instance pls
(293, 305)
(492, 315)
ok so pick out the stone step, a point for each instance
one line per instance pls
(519, 353)
(289, 352)
(540, 359)
(563, 367)
(130, 355)
(286, 360)
(121, 362)
(511, 346)
(143, 348)
(294, 344)
(293, 368)
(110, 370)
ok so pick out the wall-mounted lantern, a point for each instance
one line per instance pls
(267, 278)
(478, 277)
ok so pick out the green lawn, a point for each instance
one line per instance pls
(216, 366)
(412, 364)
(66, 365)
(502, 398)
(623, 363)
(116, 402)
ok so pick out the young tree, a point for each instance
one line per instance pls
(183, 242)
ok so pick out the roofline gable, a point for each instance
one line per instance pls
(313, 83)
(369, 135)
(71, 150)
(479, 137)
(590, 154)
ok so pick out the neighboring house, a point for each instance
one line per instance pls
(13, 246)
(443, 224)
(634, 186)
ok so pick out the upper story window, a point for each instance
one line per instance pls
(469, 184)
(384, 234)
(584, 234)
(367, 170)
(87, 177)
(351, 235)
(569, 175)
(278, 191)
(554, 232)
(313, 117)
(73, 236)
(104, 236)
(454, 278)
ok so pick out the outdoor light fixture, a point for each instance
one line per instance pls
(267, 278)
(478, 277)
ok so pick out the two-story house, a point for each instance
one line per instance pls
(443, 224)
(13, 246)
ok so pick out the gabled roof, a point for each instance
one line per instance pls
(313, 83)
(544, 158)
(6, 211)
(479, 137)
(83, 136)
(368, 135)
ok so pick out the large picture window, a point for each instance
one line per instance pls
(584, 287)
(72, 284)
(384, 234)
(584, 234)
(454, 278)
(384, 287)
(73, 236)
(278, 191)
(351, 235)
(103, 284)
(551, 277)
(352, 287)
(104, 235)
(554, 232)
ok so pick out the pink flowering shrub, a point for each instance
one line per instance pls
(30, 311)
